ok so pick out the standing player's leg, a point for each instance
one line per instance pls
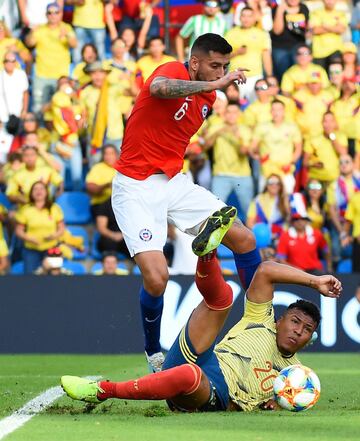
(140, 210)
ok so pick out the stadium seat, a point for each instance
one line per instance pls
(5, 201)
(76, 267)
(136, 271)
(94, 251)
(345, 266)
(76, 207)
(98, 266)
(79, 231)
(223, 252)
(228, 266)
(17, 268)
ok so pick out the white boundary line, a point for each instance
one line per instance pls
(33, 407)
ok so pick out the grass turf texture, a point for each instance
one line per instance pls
(22, 377)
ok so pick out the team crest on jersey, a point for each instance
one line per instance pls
(204, 110)
(145, 235)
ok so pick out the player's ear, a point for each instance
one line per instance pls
(194, 63)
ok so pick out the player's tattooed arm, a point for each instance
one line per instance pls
(163, 87)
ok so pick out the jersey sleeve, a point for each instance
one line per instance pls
(173, 69)
(188, 28)
(57, 213)
(20, 216)
(258, 312)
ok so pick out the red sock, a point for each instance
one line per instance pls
(184, 379)
(211, 284)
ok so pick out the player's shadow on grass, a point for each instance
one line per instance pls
(107, 408)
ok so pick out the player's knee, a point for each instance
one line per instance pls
(155, 281)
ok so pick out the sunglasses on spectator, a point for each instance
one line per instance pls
(345, 161)
(273, 182)
(272, 84)
(8, 60)
(303, 53)
(30, 119)
(53, 12)
(262, 87)
(315, 186)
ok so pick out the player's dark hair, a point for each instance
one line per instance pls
(309, 308)
(211, 42)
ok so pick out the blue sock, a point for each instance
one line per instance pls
(151, 312)
(246, 265)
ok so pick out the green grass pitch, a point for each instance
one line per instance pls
(23, 377)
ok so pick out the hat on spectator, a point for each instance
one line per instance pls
(96, 66)
(211, 3)
(314, 77)
(298, 207)
(349, 46)
(53, 5)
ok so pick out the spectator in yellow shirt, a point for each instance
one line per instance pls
(231, 170)
(99, 179)
(296, 77)
(346, 110)
(9, 43)
(321, 152)
(39, 224)
(89, 54)
(20, 183)
(328, 26)
(274, 92)
(352, 217)
(260, 110)
(338, 195)
(311, 104)
(4, 251)
(148, 63)
(68, 119)
(121, 78)
(277, 145)
(89, 25)
(252, 49)
(102, 104)
(53, 42)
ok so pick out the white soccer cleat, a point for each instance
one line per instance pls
(155, 361)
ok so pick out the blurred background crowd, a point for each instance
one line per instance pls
(284, 148)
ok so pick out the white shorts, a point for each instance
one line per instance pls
(143, 208)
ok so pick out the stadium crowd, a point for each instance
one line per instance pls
(285, 147)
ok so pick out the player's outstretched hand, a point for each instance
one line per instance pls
(236, 76)
(329, 286)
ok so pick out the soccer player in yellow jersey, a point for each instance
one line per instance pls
(238, 373)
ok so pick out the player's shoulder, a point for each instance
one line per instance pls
(172, 69)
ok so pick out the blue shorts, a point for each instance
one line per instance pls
(182, 352)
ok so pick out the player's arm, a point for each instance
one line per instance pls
(261, 289)
(164, 87)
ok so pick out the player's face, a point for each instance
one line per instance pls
(294, 331)
(210, 67)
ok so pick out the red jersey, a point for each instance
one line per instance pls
(302, 251)
(159, 129)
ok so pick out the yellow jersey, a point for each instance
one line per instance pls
(321, 149)
(352, 213)
(21, 182)
(228, 161)
(40, 223)
(89, 15)
(347, 115)
(52, 52)
(256, 41)
(276, 146)
(295, 78)
(325, 44)
(146, 65)
(249, 357)
(101, 174)
(310, 110)
(79, 74)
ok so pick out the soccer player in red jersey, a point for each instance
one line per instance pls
(149, 188)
